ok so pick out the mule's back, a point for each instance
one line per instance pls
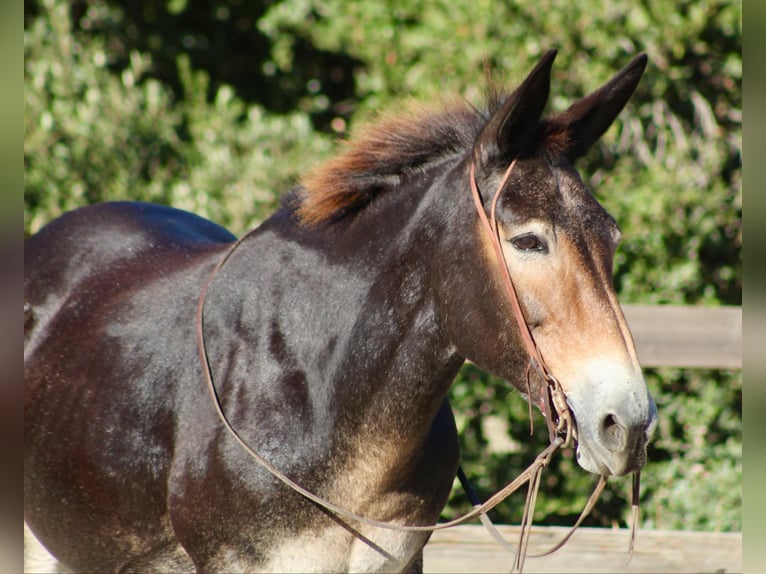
(101, 243)
(94, 239)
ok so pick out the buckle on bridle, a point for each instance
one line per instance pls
(558, 415)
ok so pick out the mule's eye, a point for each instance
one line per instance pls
(529, 242)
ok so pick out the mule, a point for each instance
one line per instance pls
(333, 333)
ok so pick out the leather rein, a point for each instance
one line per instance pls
(554, 406)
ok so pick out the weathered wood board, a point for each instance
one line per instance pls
(471, 549)
(683, 336)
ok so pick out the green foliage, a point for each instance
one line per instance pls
(218, 106)
(695, 458)
(94, 135)
(694, 482)
(89, 134)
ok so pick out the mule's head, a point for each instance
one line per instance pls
(559, 245)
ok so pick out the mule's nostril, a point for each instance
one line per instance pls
(613, 433)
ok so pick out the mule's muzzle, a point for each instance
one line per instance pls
(613, 441)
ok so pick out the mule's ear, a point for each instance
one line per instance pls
(503, 133)
(587, 119)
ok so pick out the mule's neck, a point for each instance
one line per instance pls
(398, 363)
(425, 299)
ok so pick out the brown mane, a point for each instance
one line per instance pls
(375, 157)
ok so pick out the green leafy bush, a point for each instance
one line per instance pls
(94, 135)
(153, 104)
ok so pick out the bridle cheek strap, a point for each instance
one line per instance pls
(554, 405)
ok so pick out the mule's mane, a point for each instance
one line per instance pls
(380, 154)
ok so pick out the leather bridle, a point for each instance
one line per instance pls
(558, 416)
(557, 413)
(554, 405)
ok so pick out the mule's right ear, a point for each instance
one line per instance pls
(502, 137)
(587, 119)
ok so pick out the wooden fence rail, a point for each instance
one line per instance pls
(674, 336)
(470, 548)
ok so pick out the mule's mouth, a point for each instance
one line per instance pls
(613, 417)
(613, 447)
(609, 440)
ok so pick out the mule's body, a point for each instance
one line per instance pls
(135, 410)
(333, 331)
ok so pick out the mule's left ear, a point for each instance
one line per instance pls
(587, 119)
(502, 135)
